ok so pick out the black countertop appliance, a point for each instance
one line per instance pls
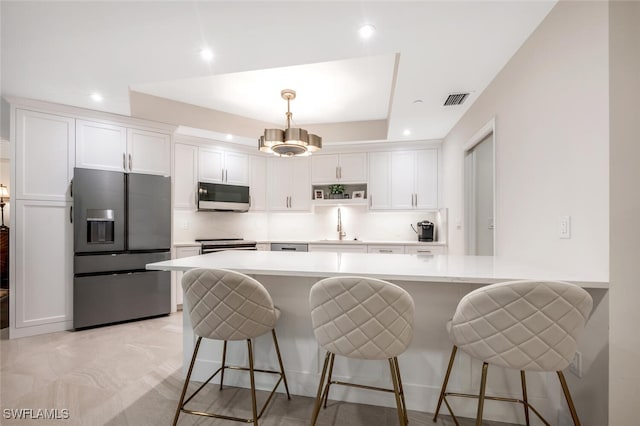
(426, 231)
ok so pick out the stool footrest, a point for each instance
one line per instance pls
(492, 398)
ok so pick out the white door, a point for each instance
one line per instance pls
(210, 165)
(149, 152)
(379, 180)
(479, 198)
(45, 150)
(299, 184)
(403, 177)
(101, 146)
(185, 176)
(236, 168)
(279, 182)
(426, 187)
(258, 183)
(353, 168)
(44, 263)
(324, 169)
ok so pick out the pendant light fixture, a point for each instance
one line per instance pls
(291, 141)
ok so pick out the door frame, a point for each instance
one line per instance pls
(468, 186)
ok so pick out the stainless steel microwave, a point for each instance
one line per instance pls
(221, 197)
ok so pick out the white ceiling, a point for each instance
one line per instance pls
(62, 52)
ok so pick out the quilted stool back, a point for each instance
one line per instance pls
(361, 317)
(227, 305)
(525, 325)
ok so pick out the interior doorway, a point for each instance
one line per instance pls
(479, 190)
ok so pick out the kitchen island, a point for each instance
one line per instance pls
(436, 283)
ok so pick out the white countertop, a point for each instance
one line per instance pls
(346, 242)
(403, 267)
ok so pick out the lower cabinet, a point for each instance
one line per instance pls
(339, 248)
(43, 267)
(180, 253)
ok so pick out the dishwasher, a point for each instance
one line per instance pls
(289, 247)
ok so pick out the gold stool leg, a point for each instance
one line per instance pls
(396, 391)
(284, 376)
(404, 403)
(318, 403)
(445, 382)
(186, 380)
(567, 396)
(326, 390)
(224, 360)
(483, 388)
(524, 396)
(253, 384)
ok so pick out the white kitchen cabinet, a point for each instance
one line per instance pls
(110, 146)
(258, 183)
(263, 246)
(403, 180)
(339, 248)
(219, 166)
(414, 179)
(149, 152)
(45, 146)
(185, 176)
(379, 181)
(289, 184)
(180, 253)
(387, 249)
(343, 168)
(43, 288)
(424, 250)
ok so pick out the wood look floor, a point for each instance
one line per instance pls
(130, 375)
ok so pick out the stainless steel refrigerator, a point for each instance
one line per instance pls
(122, 221)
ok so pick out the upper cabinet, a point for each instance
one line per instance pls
(258, 183)
(218, 166)
(343, 168)
(185, 176)
(404, 180)
(44, 152)
(108, 146)
(289, 184)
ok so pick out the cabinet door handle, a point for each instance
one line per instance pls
(340, 172)
(336, 172)
(130, 163)
(124, 161)
(385, 251)
(249, 200)
(71, 188)
(71, 214)
(423, 251)
(226, 175)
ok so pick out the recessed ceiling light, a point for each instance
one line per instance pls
(206, 54)
(229, 137)
(366, 31)
(406, 132)
(97, 97)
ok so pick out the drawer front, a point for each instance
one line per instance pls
(386, 249)
(424, 250)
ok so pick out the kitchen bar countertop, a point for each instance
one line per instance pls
(403, 267)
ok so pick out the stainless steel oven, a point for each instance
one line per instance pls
(215, 245)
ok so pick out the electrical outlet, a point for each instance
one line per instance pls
(564, 229)
(576, 365)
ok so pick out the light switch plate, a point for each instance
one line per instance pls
(564, 227)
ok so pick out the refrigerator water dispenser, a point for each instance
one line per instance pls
(100, 226)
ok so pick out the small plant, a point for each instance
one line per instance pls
(336, 189)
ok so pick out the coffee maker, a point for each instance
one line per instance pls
(426, 231)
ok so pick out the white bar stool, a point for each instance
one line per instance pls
(227, 305)
(522, 325)
(362, 318)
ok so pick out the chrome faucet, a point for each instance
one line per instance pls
(341, 231)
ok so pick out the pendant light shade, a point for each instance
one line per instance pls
(291, 141)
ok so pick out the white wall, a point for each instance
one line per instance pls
(551, 107)
(316, 225)
(550, 103)
(624, 381)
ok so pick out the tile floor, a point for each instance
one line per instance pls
(129, 375)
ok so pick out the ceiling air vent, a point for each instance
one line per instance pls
(456, 99)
